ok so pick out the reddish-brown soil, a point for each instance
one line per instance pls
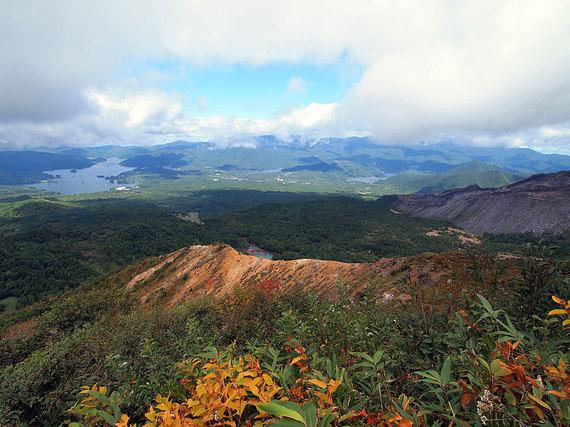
(463, 236)
(197, 271)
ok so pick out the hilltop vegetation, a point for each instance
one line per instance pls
(441, 354)
(50, 245)
(472, 173)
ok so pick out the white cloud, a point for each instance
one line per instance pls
(132, 110)
(202, 102)
(313, 116)
(474, 69)
(296, 85)
(151, 116)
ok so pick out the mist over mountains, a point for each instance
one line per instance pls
(405, 169)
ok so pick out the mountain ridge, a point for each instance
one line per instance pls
(537, 204)
(218, 270)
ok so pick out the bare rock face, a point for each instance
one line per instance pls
(538, 204)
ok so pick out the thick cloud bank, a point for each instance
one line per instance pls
(481, 71)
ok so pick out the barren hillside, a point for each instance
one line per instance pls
(538, 204)
(198, 271)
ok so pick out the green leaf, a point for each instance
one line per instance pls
(283, 408)
(116, 410)
(484, 363)
(446, 371)
(363, 365)
(431, 376)
(310, 414)
(363, 355)
(378, 356)
(486, 304)
(346, 416)
(327, 419)
(286, 422)
(100, 397)
(108, 418)
(497, 369)
(510, 398)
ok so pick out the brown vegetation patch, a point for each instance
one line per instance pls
(463, 236)
(20, 330)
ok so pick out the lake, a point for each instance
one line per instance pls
(87, 180)
(370, 179)
(257, 251)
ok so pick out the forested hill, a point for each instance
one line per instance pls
(50, 245)
(25, 167)
(334, 228)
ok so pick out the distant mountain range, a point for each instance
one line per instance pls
(429, 168)
(538, 204)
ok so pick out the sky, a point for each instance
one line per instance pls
(485, 73)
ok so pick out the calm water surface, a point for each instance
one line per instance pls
(84, 180)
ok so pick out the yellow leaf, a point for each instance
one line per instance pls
(150, 415)
(123, 422)
(558, 300)
(561, 366)
(191, 403)
(557, 393)
(199, 410)
(539, 412)
(233, 405)
(296, 359)
(566, 322)
(268, 379)
(556, 311)
(319, 383)
(540, 402)
(407, 402)
(321, 396)
(333, 385)
(254, 390)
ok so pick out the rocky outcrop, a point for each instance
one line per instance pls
(538, 204)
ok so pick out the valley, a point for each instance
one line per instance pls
(328, 165)
(285, 214)
(121, 291)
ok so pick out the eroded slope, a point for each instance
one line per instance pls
(538, 204)
(199, 271)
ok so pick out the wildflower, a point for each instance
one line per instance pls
(485, 405)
